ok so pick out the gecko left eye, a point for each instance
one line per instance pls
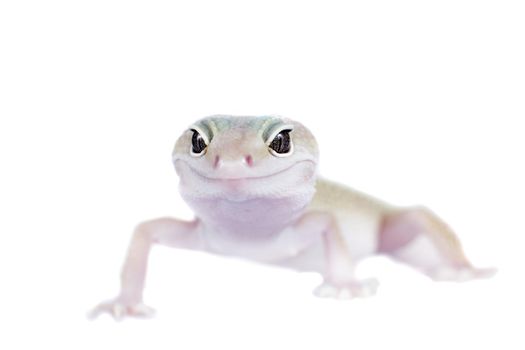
(198, 144)
(281, 144)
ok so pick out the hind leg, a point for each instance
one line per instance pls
(419, 238)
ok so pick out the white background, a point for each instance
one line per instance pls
(411, 101)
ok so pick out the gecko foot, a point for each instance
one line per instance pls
(357, 289)
(460, 274)
(120, 309)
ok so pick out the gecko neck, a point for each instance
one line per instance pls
(252, 219)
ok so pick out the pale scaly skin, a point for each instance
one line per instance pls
(253, 203)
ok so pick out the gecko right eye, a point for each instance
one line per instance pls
(198, 144)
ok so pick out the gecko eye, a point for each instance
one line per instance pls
(198, 144)
(281, 144)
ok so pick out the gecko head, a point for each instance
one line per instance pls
(243, 158)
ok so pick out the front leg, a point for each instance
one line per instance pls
(170, 232)
(339, 268)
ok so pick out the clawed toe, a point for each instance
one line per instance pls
(461, 274)
(357, 289)
(119, 310)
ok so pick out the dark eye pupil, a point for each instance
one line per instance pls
(281, 143)
(197, 142)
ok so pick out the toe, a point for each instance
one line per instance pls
(142, 310)
(326, 290)
(461, 274)
(358, 289)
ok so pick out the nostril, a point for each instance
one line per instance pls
(248, 160)
(216, 162)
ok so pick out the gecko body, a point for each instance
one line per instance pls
(252, 183)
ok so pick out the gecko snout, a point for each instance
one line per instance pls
(221, 163)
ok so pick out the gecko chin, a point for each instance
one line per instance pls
(296, 179)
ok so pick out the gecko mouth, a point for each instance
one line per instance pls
(248, 177)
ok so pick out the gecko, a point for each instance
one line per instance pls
(253, 185)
